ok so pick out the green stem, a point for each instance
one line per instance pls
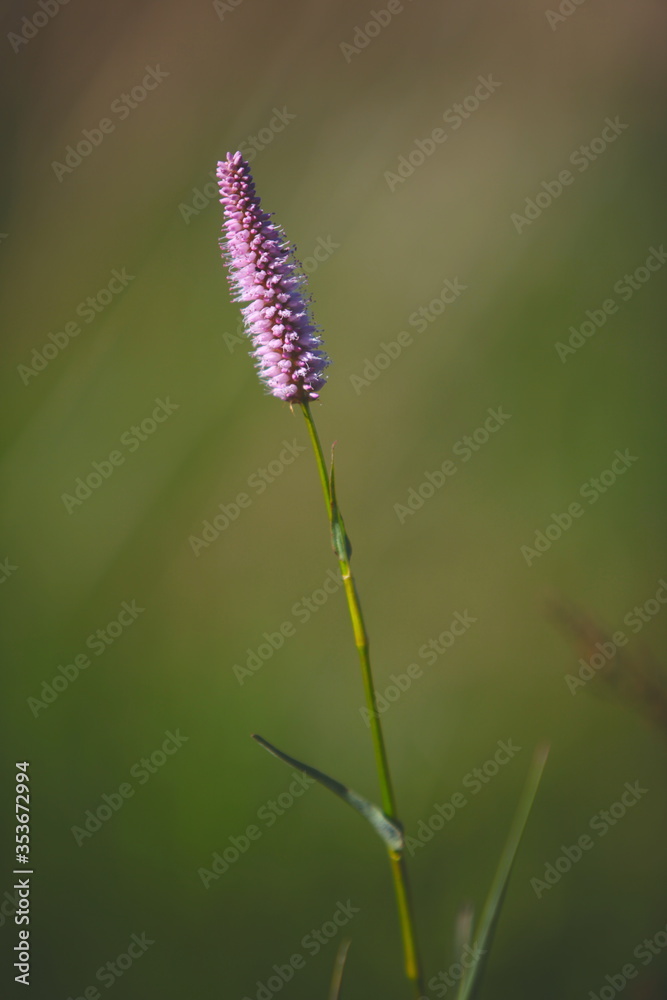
(399, 869)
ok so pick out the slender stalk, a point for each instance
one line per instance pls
(413, 966)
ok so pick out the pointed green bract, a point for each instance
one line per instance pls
(390, 833)
(483, 935)
(341, 543)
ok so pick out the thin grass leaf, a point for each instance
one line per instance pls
(339, 968)
(494, 900)
(465, 920)
(390, 833)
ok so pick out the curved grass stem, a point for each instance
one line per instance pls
(413, 966)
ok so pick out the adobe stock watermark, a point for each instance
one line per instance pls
(473, 782)
(130, 441)
(202, 197)
(31, 26)
(258, 482)
(364, 34)
(464, 449)
(600, 824)
(645, 952)
(116, 968)
(7, 569)
(87, 310)
(302, 610)
(591, 491)
(98, 643)
(450, 978)
(634, 620)
(625, 288)
(453, 117)
(312, 943)
(581, 158)
(430, 651)
(565, 11)
(268, 815)
(322, 251)
(142, 771)
(222, 7)
(121, 108)
(419, 320)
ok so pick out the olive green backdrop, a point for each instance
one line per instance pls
(122, 348)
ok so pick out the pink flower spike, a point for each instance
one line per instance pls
(265, 273)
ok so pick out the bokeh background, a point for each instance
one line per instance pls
(142, 202)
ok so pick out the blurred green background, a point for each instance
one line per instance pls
(326, 126)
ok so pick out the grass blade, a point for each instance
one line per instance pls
(489, 918)
(390, 833)
(339, 968)
(465, 921)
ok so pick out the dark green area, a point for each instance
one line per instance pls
(142, 201)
